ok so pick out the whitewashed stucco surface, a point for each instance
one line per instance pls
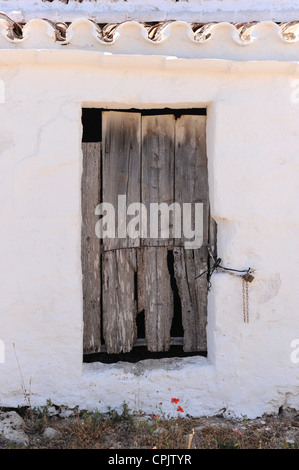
(252, 146)
(154, 10)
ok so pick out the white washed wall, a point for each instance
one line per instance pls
(253, 142)
(154, 10)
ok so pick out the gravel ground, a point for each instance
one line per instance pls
(53, 427)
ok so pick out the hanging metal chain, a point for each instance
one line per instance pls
(246, 278)
(245, 299)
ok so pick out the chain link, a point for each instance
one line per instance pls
(245, 300)
(246, 278)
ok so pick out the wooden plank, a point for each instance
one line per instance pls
(192, 289)
(157, 170)
(121, 167)
(119, 303)
(140, 280)
(191, 171)
(90, 248)
(158, 299)
(191, 186)
(177, 341)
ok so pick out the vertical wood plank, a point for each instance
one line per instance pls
(157, 181)
(191, 172)
(191, 186)
(90, 248)
(192, 289)
(121, 166)
(140, 280)
(201, 287)
(158, 299)
(119, 303)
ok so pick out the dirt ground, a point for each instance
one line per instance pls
(53, 427)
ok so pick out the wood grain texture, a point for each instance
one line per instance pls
(157, 179)
(191, 185)
(149, 159)
(158, 299)
(191, 172)
(121, 166)
(140, 280)
(119, 303)
(192, 289)
(90, 248)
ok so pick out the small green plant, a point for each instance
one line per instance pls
(45, 409)
(149, 427)
(11, 445)
(127, 415)
(43, 412)
(92, 418)
(49, 402)
(245, 420)
(231, 444)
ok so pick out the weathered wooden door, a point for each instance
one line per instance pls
(148, 158)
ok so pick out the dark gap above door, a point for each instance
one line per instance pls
(92, 124)
(92, 119)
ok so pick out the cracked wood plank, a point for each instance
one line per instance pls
(158, 298)
(192, 289)
(191, 170)
(121, 169)
(90, 248)
(157, 171)
(191, 186)
(119, 303)
(157, 181)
